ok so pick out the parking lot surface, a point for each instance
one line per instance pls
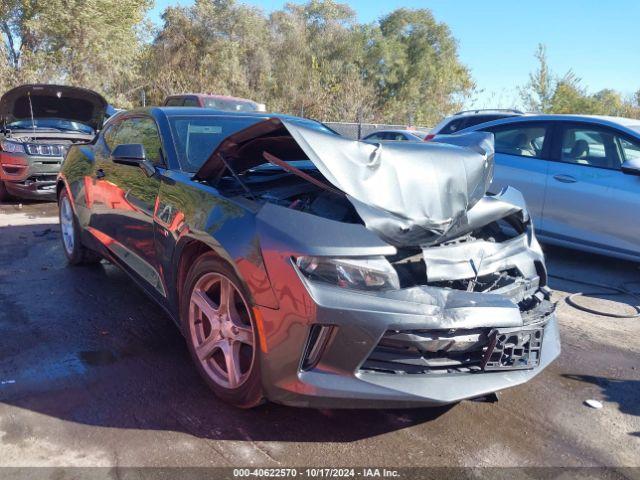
(93, 373)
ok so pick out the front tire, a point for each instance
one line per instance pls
(74, 250)
(4, 195)
(219, 326)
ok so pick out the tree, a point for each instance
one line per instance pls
(570, 97)
(415, 67)
(537, 94)
(317, 65)
(550, 94)
(312, 59)
(212, 46)
(90, 43)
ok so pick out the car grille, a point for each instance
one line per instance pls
(456, 351)
(45, 150)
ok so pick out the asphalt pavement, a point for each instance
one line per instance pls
(93, 373)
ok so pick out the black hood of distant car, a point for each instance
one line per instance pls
(53, 101)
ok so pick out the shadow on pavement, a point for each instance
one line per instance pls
(84, 345)
(623, 392)
(569, 268)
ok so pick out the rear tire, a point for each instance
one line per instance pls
(74, 250)
(219, 326)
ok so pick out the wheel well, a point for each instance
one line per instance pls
(59, 187)
(189, 254)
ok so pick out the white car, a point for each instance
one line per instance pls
(579, 174)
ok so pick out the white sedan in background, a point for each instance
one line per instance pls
(579, 174)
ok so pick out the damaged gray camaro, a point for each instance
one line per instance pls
(335, 273)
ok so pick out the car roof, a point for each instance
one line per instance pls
(411, 132)
(199, 112)
(210, 95)
(617, 122)
(507, 112)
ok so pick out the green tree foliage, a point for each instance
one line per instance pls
(416, 68)
(213, 46)
(312, 59)
(90, 43)
(537, 94)
(548, 93)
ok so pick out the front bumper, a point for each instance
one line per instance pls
(27, 176)
(37, 187)
(360, 321)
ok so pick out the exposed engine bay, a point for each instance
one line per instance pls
(499, 241)
(461, 250)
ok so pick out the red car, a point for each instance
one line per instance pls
(219, 102)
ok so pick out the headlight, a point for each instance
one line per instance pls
(357, 273)
(11, 147)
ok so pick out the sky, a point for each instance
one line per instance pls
(598, 40)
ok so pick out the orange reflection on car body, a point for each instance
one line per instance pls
(13, 167)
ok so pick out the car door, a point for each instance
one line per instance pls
(590, 201)
(129, 194)
(521, 151)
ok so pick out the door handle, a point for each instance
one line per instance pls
(565, 178)
(100, 173)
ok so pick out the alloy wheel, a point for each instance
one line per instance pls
(221, 330)
(66, 225)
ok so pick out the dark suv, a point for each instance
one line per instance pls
(469, 118)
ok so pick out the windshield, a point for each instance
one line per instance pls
(196, 137)
(230, 105)
(50, 123)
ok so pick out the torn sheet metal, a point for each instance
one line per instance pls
(408, 192)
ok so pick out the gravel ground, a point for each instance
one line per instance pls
(92, 373)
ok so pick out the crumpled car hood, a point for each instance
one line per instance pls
(409, 193)
(53, 101)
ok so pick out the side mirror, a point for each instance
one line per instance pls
(133, 155)
(631, 167)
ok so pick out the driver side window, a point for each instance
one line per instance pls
(590, 146)
(630, 150)
(141, 130)
(108, 135)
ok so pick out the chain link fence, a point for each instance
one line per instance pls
(359, 130)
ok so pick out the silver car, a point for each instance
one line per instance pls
(579, 174)
(313, 270)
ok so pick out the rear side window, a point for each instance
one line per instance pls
(478, 119)
(374, 137)
(191, 102)
(524, 140)
(174, 102)
(398, 136)
(453, 126)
